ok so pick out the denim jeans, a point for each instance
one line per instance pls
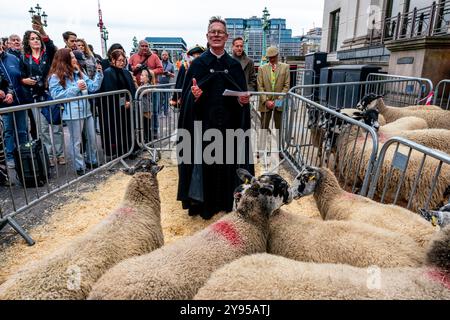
(75, 143)
(155, 114)
(163, 107)
(15, 128)
(49, 133)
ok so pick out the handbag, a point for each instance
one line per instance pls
(52, 113)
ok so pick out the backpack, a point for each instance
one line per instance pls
(32, 164)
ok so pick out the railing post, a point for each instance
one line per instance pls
(413, 23)
(432, 19)
(397, 30)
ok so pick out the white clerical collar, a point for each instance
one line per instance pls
(218, 56)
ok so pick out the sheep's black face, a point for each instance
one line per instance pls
(280, 187)
(272, 187)
(146, 166)
(368, 100)
(306, 182)
(369, 117)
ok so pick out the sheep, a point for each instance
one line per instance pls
(344, 242)
(178, 270)
(269, 277)
(336, 204)
(438, 139)
(414, 129)
(353, 153)
(436, 119)
(134, 228)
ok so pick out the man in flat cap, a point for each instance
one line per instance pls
(272, 77)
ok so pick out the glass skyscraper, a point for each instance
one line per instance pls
(251, 29)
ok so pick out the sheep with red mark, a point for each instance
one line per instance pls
(133, 229)
(334, 203)
(177, 271)
(268, 277)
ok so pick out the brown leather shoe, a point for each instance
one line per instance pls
(62, 161)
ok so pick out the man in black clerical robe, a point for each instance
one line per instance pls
(207, 189)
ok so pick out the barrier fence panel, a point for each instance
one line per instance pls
(339, 96)
(158, 112)
(411, 175)
(317, 136)
(442, 95)
(408, 91)
(75, 138)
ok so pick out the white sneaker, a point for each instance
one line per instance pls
(11, 164)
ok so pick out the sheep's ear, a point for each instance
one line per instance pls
(129, 171)
(156, 169)
(245, 176)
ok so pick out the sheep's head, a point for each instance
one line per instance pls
(439, 217)
(306, 182)
(271, 189)
(145, 166)
(369, 117)
(369, 101)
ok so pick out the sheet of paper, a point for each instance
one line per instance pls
(230, 93)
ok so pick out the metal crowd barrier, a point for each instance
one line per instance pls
(95, 144)
(410, 91)
(318, 136)
(442, 94)
(157, 119)
(338, 96)
(411, 175)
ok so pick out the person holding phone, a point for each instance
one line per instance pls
(68, 81)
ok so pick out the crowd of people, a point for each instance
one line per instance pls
(34, 70)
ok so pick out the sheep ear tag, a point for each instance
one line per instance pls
(434, 221)
(311, 178)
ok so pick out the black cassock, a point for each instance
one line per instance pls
(115, 119)
(212, 185)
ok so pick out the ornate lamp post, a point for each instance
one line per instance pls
(266, 30)
(37, 15)
(105, 36)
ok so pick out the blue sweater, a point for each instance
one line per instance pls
(77, 109)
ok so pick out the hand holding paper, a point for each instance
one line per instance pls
(230, 93)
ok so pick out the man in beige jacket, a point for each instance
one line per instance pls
(272, 77)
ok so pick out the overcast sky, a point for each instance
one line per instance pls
(143, 18)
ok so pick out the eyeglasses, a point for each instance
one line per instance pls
(216, 32)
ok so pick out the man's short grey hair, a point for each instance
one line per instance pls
(217, 19)
(13, 36)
